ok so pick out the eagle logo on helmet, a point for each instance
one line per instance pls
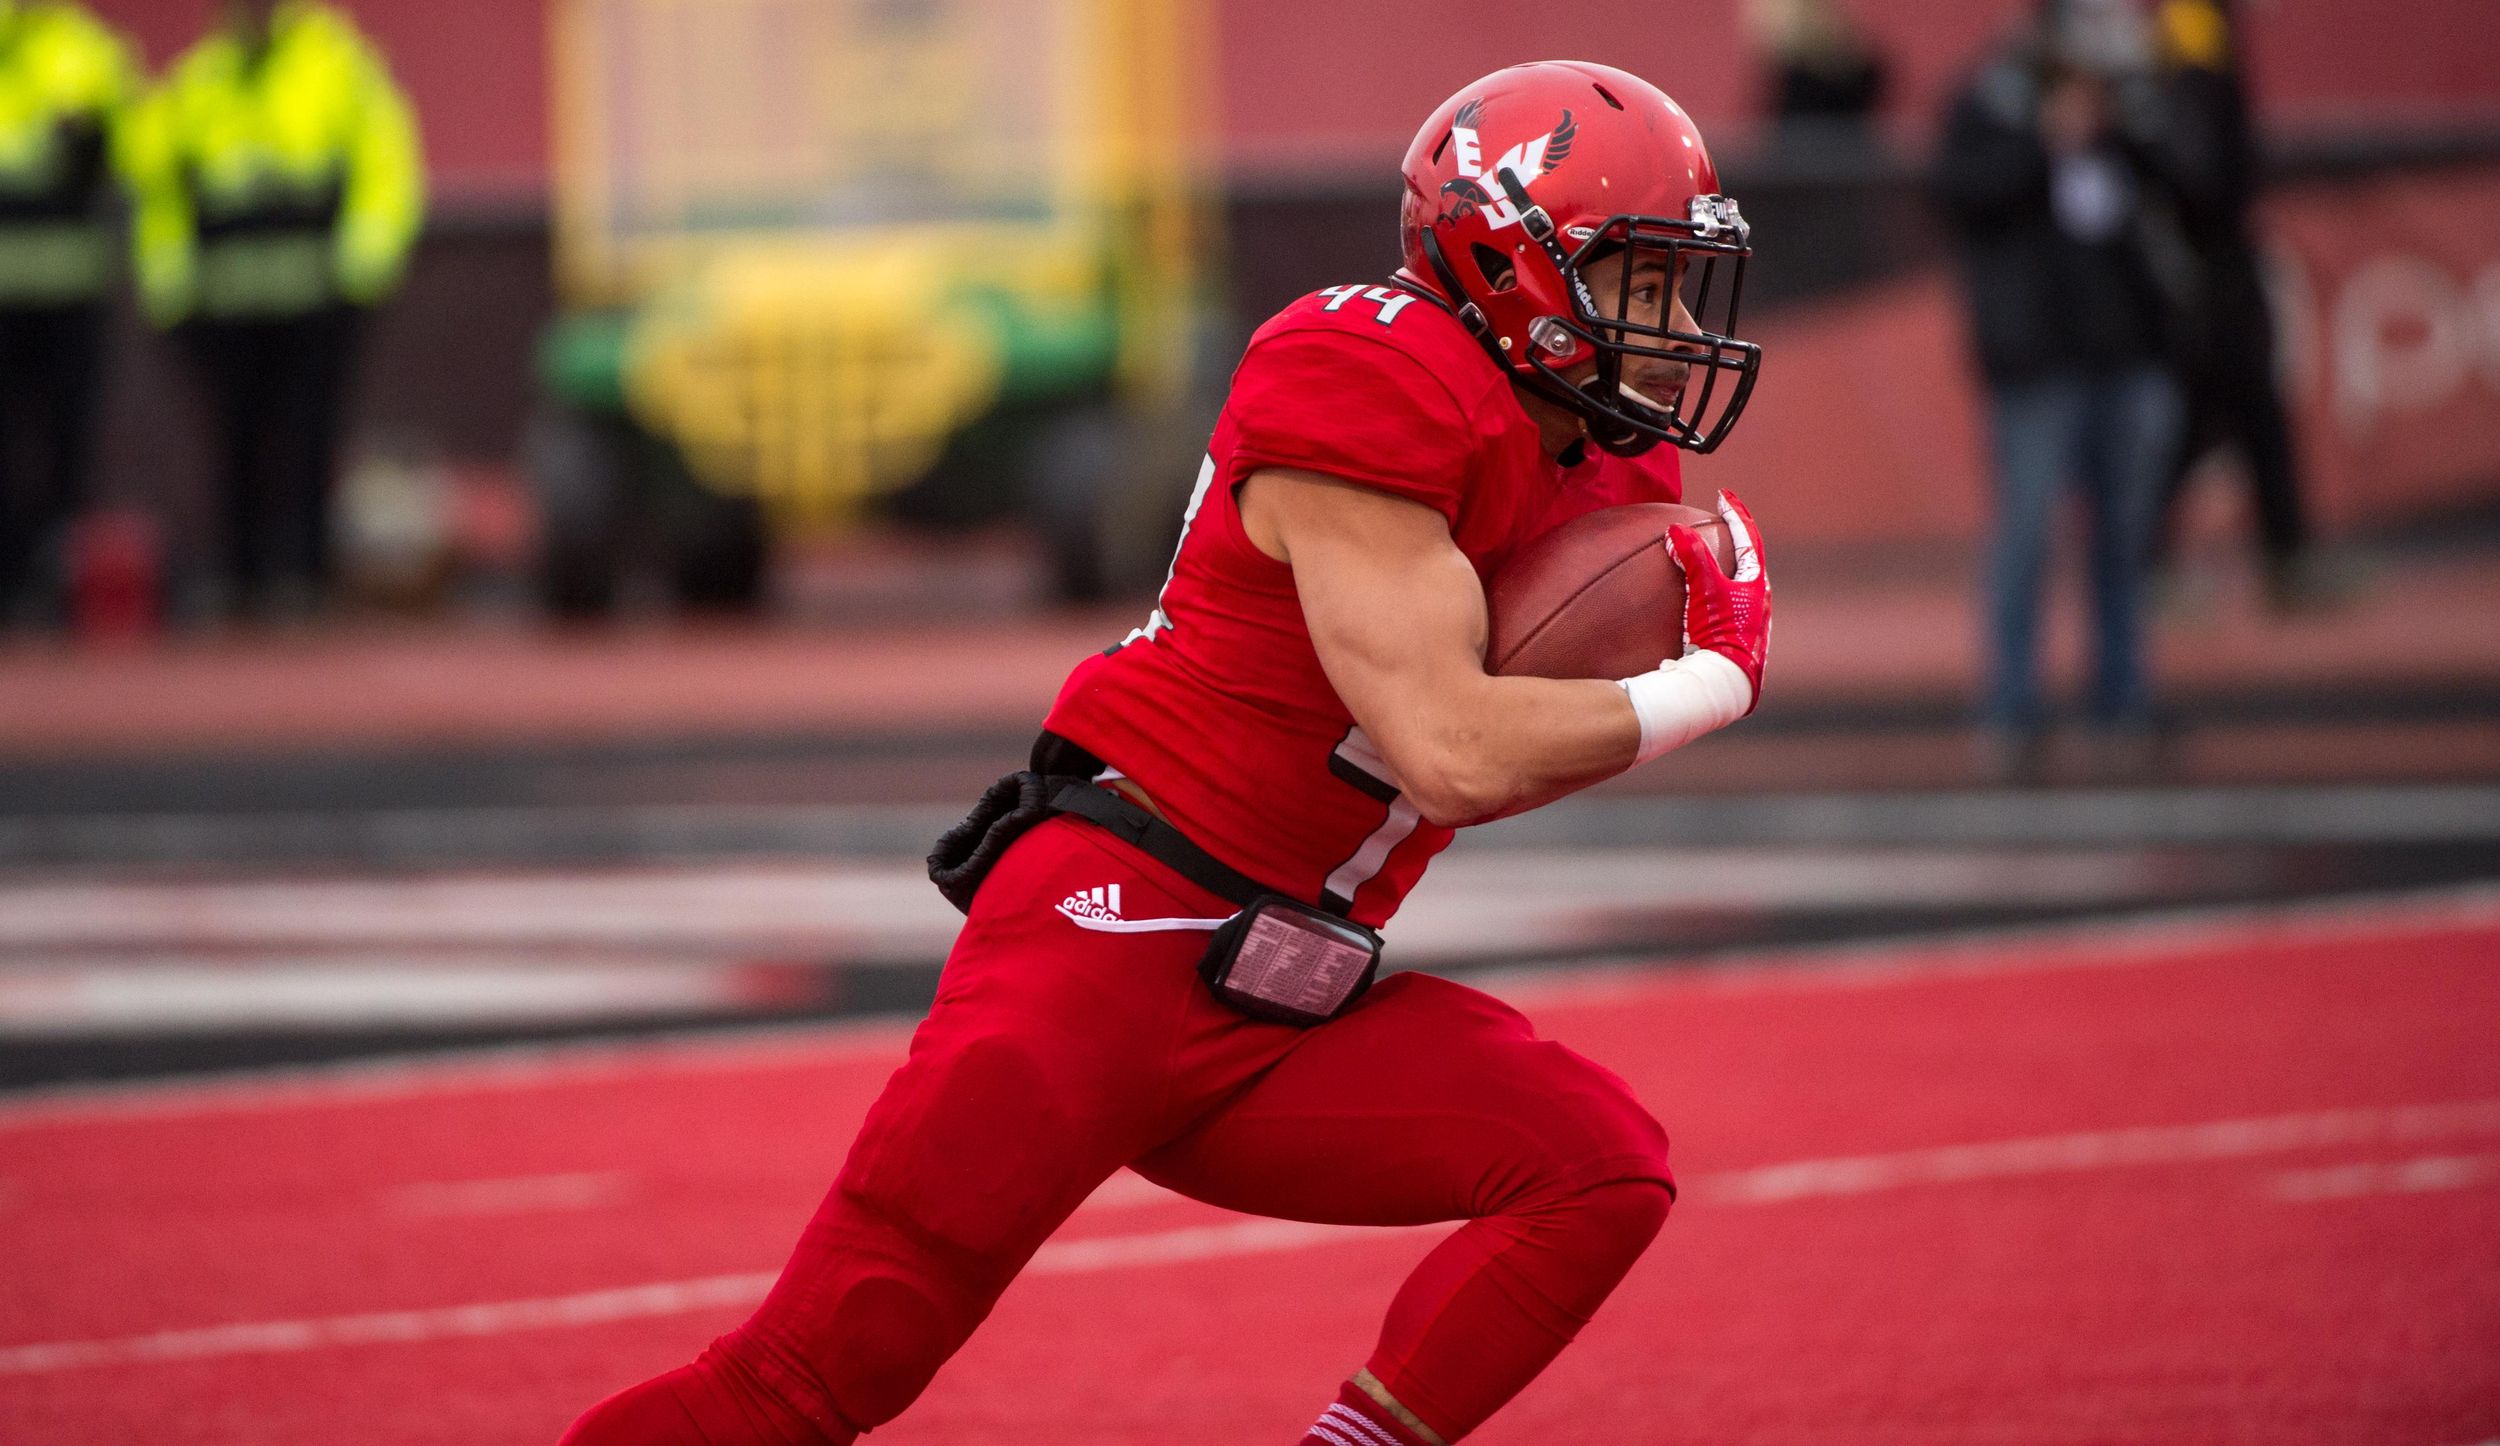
(1537, 156)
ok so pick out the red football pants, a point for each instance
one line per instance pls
(1057, 1053)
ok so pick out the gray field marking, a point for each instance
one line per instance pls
(2349, 814)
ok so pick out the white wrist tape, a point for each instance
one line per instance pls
(1686, 697)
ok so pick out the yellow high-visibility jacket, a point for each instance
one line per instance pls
(66, 85)
(274, 183)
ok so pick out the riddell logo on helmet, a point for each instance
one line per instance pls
(1527, 160)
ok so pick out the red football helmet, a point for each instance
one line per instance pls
(1520, 182)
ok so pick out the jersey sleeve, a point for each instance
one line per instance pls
(1352, 407)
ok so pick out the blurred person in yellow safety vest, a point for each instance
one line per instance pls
(280, 188)
(66, 85)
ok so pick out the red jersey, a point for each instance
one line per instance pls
(1217, 707)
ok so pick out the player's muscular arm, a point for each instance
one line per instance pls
(1398, 618)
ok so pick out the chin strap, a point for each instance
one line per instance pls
(1470, 315)
(1613, 436)
(1536, 379)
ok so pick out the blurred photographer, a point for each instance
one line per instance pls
(2056, 176)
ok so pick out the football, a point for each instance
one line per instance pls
(1598, 597)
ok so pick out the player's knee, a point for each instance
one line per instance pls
(990, 1109)
(1627, 1132)
(872, 1304)
(1623, 1216)
(1600, 1130)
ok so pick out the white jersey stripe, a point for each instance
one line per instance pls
(1357, 751)
(1367, 861)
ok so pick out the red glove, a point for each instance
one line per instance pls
(1727, 614)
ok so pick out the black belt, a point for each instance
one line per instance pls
(1061, 780)
(1159, 841)
(1142, 829)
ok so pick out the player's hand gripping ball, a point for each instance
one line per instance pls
(1728, 612)
(1604, 595)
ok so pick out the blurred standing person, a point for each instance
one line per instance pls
(2052, 173)
(1824, 75)
(66, 84)
(2227, 357)
(280, 192)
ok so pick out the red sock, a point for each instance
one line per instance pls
(1358, 1420)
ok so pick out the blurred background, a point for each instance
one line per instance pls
(525, 519)
(522, 520)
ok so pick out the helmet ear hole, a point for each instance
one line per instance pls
(1495, 268)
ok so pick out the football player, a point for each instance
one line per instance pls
(1168, 957)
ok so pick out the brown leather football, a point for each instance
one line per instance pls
(1598, 597)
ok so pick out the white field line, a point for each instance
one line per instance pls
(884, 911)
(2401, 1177)
(494, 1318)
(2148, 937)
(591, 1190)
(633, 1302)
(487, 1070)
(1802, 1179)
(523, 1194)
(2098, 1150)
(377, 992)
(718, 906)
(2154, 938)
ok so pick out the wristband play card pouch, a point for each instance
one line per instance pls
(1283, 961)
(1279, 959)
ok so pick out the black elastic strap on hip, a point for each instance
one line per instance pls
(1160, 841)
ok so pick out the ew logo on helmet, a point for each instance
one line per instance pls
(1527, 160)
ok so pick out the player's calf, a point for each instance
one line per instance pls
(716, 1401)
(1494, 1304)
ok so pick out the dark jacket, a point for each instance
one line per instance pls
(2044, 301)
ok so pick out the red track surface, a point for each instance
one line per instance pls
(2279, 1247)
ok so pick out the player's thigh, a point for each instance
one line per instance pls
(1431, 1101)
(1041, 1067)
